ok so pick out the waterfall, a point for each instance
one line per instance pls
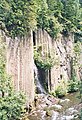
(39, 87)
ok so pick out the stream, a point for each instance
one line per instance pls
(50, 108)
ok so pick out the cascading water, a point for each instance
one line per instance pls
(39, 87)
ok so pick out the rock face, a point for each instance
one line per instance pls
(64, 51)
(61, 50)
(20, 63)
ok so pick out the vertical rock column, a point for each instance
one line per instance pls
(20, 64)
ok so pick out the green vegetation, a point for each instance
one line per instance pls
(59, 16)
(61, 89)
(18, 16)
(75, 64)
(12, 106)
(73, 86)
(11, 103)
(45, 62)
(80, 97)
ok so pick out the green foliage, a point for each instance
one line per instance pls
(11, 107)
(80, 97)
(73, 86)
(77, 53)
(60, 92)
(71, 15)
(55, 16)
(42, 15)
(53, 93)
(61, 89)
(44, 63)
(18, 16)
(5, 84)
(54, 27)
(55, 7)
(11, 104)
(81, 115)
(46, 20)
(80, 90)
(73, 83)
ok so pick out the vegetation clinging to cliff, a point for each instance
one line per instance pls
(18, 16)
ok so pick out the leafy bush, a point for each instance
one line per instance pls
(80, 90)
(11, 107)
(80, 115)
(54, 27)
(53, 93)
(61, 89)
(72, 86)
(18, 16)
(44, 62)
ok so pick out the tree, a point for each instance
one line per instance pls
(55, 7)
(42, 15)
(71, 14)
(18, 16)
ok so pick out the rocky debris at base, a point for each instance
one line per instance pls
(71, 117)
(50, 108)
(63, 102)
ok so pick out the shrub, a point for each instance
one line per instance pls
(72, 86)
(44, 62)
(11, 107)
(61, 89)
(73, 83)
(53, 93)
(60, 92)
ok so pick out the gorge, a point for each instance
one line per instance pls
(40, 59)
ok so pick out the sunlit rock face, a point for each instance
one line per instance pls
(20, 62)
(19, 54)
(64, 51)
(61, 50)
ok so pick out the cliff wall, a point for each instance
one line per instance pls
(19, 54)
(20, 60)
(62, 52)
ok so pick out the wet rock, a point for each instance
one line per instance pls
(63, 102)
(54, 115)
(72, 111)
(35, 101)
(48, 113)
(46, 101)
(56, 107)
(43, 114)
(26, 119)
(53, 99)
(71, 117)
(43, 105)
